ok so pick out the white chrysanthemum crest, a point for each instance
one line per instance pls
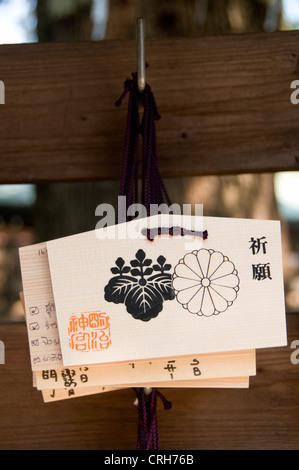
(205, 282)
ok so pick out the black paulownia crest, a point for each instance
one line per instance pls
(142, 287)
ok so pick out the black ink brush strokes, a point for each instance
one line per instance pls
(142, 287)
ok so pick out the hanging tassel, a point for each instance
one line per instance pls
(153, 192)
(153, 188)
(129, 175)
(148, 431)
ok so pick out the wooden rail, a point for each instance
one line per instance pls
(265, 416)
(226, 108)
(224, 101)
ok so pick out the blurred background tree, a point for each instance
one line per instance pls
(64, 20)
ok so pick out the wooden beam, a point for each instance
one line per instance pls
(224, 101)
(265, 416)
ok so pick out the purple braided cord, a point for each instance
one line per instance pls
(148, 430)
(129, 176)
(153, 188)
(153, 192)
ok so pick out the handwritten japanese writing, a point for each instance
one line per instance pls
(50, 308)
(70, 376)
(50, 358)
(44, 341)
(196, 370)
(170, 367)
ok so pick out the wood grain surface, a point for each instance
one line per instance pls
(224, 101)
(225, 106)
(265, 416)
